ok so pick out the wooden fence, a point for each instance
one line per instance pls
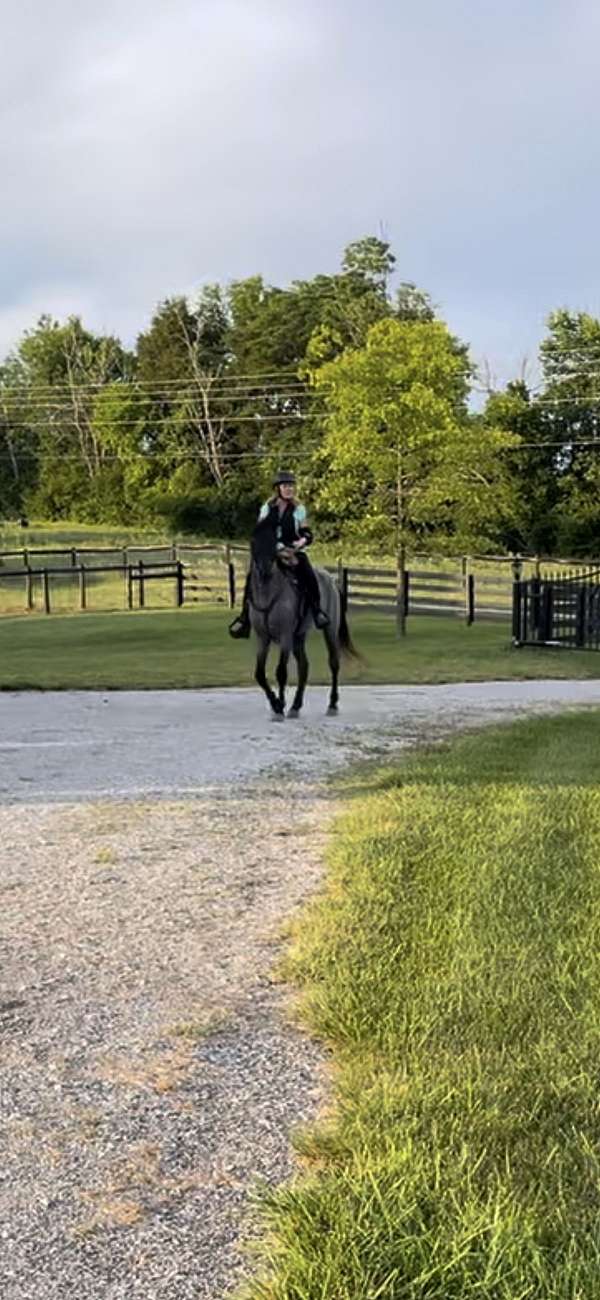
(469, 588)
(148, 578)
(454, 593)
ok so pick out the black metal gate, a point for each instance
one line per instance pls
(558, 611)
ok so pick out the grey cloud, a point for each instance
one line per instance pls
(150, 146)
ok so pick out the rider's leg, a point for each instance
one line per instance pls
(241, 624)
(310, 584)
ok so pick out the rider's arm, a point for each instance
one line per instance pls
(304, 534)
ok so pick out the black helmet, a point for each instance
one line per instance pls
(283, 476)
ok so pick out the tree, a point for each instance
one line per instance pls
(55, 375)
(371, 261)
(181, 360)
(571, 400)
(535, 468)
(400, 457)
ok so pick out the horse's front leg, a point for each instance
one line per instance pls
(260, 676)
(302, 662)
(334, 667)
(282, 676)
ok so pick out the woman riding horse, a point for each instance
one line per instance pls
(287, 517)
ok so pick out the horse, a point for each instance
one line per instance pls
(278, 617)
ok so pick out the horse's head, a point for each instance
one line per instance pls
(264, 549)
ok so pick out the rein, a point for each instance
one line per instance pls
(266, 609)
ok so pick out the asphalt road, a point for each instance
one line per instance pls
(64, 746)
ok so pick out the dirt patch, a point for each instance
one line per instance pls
(150, 1075)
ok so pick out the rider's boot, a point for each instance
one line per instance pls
(321, 619)
(240, 628)
(313, 591)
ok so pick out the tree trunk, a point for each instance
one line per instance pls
(400, 572)
(400, 548)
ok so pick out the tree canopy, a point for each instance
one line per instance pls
(187, 426)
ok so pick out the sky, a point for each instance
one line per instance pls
(147, 147)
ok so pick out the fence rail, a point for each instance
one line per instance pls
(109, 578)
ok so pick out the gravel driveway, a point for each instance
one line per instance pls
(152, 846)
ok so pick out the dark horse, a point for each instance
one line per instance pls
(278, 616)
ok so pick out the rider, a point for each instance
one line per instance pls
(287, 517)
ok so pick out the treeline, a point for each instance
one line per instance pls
(186, 429)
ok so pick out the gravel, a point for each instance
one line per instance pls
(150, 1071)
(149, 1074)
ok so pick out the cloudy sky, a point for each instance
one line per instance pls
(148, 146)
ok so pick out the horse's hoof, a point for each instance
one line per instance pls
(277, 717)
(332, 711)
(293, 713)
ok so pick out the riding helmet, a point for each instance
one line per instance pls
(284, 476)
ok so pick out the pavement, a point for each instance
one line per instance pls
(76, 745)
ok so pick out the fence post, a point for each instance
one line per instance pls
(581, 617)
(73, 558)
(129, 572)
(406, 592)
(345, 587)
(470, 599)
(46, 582)
(180, 585)
(29, 588)
(535, 607)
(231, 574)
(465, 577)
(516, 613)
(547, 604)
(142, 600)
(82, 588)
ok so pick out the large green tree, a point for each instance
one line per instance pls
(570, 357)
(51, 385)
(534, 523)
(401, 461)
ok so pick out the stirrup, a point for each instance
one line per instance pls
(240, 628)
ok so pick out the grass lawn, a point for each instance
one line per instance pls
(452, 964)
(192, 648)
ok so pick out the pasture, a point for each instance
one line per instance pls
(452, 964)
(191, 648)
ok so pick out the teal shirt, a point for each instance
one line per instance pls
(299, 518)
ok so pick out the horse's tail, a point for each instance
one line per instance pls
(345, 641)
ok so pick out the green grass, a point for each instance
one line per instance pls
(192, 648)
(66, 533)
(453, 966)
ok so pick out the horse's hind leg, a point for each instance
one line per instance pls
(334, 665)
(282, 676)
(302, 662)
(260, 676)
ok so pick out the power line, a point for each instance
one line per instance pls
(185, 392)
(142, 407)
(270, 378)
(121, 426)
(305, 456)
